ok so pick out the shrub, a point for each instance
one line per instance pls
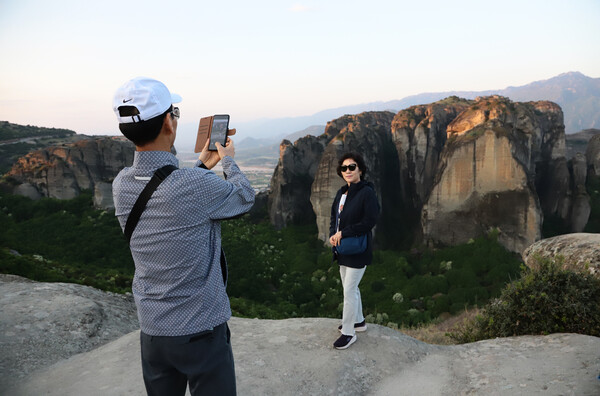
(547, 300)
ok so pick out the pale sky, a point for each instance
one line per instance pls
(62, 60)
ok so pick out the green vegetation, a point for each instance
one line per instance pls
(408, 289)
(67, 241)
(10, 131)
(451, 100)
(546, 300)
(272, 274)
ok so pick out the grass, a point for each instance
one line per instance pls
(436, 332)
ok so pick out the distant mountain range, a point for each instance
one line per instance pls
(577, 94)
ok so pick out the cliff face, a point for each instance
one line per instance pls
(369, 135)
(289, 200)
(482, 186)
(63, 171)
(592, 155)
(504, 167)
(419, 134)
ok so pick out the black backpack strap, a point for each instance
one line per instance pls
(139, 206)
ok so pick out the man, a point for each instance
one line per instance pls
(179, 282)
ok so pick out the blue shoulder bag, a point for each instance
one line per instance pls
(352, 245)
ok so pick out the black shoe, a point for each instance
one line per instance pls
(344, 341)
(360, 327)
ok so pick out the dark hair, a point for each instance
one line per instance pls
(359, 161)
(144, 132)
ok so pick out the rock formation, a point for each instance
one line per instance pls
(503, 168)
(289, 199)
(277, 357)
(419, 133)
(592, 155)
(580, 251)
(487, 175)
(445, 172)
(578, 142)
(63, 171)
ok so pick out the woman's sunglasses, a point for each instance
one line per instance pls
(344, 168)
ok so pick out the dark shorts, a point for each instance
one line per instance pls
(205, 360)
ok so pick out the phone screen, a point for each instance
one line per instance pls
(218, 131)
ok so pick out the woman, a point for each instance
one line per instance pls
(353, 213)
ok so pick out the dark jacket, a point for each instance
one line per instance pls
(358, 217)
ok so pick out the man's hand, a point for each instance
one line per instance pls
(212, 158)
(227, 150)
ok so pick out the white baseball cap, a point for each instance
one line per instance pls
(150, 97)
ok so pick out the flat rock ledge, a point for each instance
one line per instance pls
(273, 357)
(295, 357)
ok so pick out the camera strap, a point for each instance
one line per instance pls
(139, 206)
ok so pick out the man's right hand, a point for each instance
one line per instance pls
(211, 158)
(227, 150)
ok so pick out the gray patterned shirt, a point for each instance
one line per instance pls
(178, 285)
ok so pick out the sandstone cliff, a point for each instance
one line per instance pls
(578, 142)
(289, 199)
(419, 134)
(592, 155)
(63, 171)
(487, 173)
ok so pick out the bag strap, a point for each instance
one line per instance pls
(139, 206)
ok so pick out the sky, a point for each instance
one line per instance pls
(62, 60)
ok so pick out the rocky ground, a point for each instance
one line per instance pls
(276, 357)
(43, 323)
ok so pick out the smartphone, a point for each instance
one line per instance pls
(218, 132)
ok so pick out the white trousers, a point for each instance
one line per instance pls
(353, 312)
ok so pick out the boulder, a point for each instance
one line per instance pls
(581, 251)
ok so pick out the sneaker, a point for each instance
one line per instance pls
(360, 327)
(344, 341)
